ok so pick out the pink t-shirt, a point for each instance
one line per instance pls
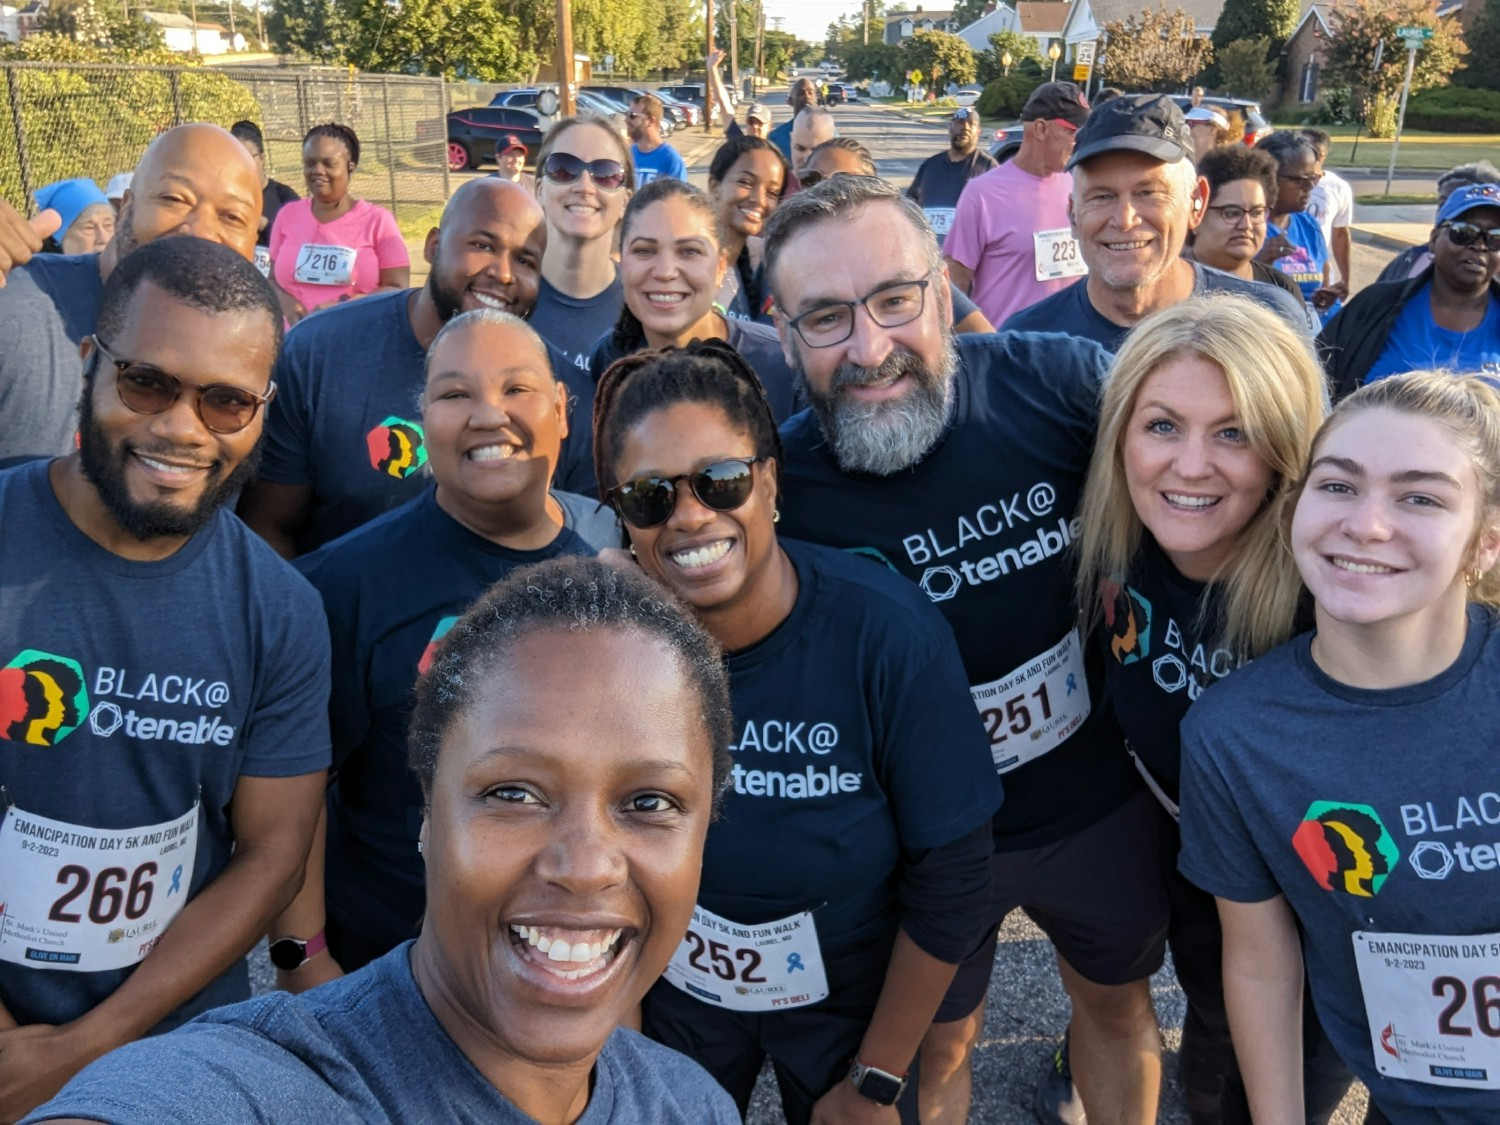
(320, 262)
(994, 225)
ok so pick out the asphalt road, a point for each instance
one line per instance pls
(1028, 1009)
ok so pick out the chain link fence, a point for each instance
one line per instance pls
(95, 119)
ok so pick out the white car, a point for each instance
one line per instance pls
(968, 95)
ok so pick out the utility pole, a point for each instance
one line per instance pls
(260, 26)
(708, 62)
(193, 6)
(865, 9)
(760, 42)
(567, 99)
(231, 25)
(734, 44)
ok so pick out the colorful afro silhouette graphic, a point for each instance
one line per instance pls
(42, 698)
(1127, 618)
(397, 448)
(1346, 847)
(429, 654)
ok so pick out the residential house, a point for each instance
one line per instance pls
(996, 18)
(1043, 20)
(901, 26)
(1086, 19)
(185, 37)
(1306, 55)
(28, 19)
(10, 24)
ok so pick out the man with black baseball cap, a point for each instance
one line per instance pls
(1135, 197)
(1011, 245)
(941, 178)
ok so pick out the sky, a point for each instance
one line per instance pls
(809, 19)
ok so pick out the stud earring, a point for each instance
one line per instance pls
(776, 516)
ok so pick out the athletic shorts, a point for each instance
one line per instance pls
(1097, 894)
(810, 1048)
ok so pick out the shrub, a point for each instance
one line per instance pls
(1455, 109)
(1380, 115)
(1004, 97)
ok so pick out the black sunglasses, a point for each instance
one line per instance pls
(565, 168)
(648, 502)
(224, 409)
(1466, 234)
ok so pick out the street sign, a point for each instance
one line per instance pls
(1085, 55)
(1414, 32)
(1080, 72)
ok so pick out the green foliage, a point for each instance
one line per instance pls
(315, 29)
(1482, 69)
(96, 122)
(452, 39)
(1337, 106)
(941, 56)
(1154, 50)
(1364, 23)
(882, 61)
(1455, 109)
(1004, 97)
(1021, 47)
(1272, 20)
(1380, 114)
(1245, 68)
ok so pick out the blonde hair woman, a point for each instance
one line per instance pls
(1206, 421)
(1338, 795)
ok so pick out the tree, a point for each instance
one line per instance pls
(1361, 24)
(941, 56)
(1021, 48)
(883, 62)
(1482, 71)
(1272, 20)
(451, 39)
(316, 29)
(1154, 50)
(966, 12)
(1246, 69)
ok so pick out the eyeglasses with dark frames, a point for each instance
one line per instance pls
(1232, 213)
(565, 168)
(1467, 234)
(722, 486)
(147, 389)
(890, 306)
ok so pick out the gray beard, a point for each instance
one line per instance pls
(883, 438)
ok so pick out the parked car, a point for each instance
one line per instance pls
(968, 95)
(674, 115)
(1007, 142)
(473, 134)
(1256, 125)
(517, 99)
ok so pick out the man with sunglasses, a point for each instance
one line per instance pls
(163, 706)
(654, 158)
(194, 179)
(344, 442)
(1010, 245)
(1136, 194)
(941, 178)
(958, 462)
(1447, 317)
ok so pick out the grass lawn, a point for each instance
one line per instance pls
(1396, 199)
(1419, 150)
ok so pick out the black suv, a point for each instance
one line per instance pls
(473, 134)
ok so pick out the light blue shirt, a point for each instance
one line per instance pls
(1418, 343)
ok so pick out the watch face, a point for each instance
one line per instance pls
(880, 1087)
(288, 954)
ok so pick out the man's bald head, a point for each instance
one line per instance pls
(487, 250)
(813, 126)
(804, 93)
(194, 179)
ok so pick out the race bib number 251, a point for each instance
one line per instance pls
(1034, 708)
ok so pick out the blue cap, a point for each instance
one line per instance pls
(69, 198)
(1468, 199)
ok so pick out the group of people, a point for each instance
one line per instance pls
(760, 635)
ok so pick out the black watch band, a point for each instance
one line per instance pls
(880, 1086)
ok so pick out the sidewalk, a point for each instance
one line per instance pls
(1393, 227)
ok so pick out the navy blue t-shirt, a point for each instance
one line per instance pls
(365, 1048)
(347, 419)
(573, 325)
(758, 344)
(855, 742)
(1374, 813)
(1071, 311)
(386, 623)
(1157, 634)
(131, 693)
(983, 525)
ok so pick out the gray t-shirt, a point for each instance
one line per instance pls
(46, 308)
(365, 1048)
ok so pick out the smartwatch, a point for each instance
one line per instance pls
(289, 953)
(880, 1086)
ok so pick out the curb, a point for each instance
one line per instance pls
(1381, 241)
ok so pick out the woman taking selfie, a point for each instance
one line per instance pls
(1339, 793)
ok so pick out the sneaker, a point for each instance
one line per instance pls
(1056, 1101)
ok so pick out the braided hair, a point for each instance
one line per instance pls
(341, 133)
(629, 336)
(709, 372)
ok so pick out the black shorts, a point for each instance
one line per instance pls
(810, 1048)
(1097, 894)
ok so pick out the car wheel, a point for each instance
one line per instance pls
(458, 157)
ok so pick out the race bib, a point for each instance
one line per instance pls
(750, 968)
(318, 264)
(90, 899)
(1057, 255)
(941, 219)
(1030, 711)
(263, 260)
(1433, 1005)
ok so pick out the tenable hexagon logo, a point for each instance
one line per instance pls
(941, 583)
(1431, 859)
(42, 698)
